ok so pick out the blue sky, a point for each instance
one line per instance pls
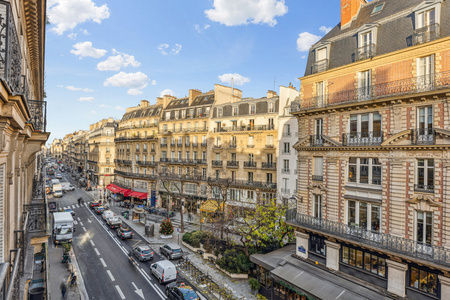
(105, 55)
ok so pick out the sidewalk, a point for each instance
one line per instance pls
(240, 288)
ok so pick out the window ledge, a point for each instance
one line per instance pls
(370, 187)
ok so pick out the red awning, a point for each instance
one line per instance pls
(139, 195)
(113, 188)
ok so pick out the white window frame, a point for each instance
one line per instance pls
(369, 214)
(317, 206)
(318, 165)
(235, 110)
(424, 9)
(252, 109)
(320, 93)
(425, 72)
(416, 226)
(364, 84)
(425, 175)
(358, 171)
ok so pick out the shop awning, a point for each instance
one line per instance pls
(210, 206)
(113, 188)
(139, 195)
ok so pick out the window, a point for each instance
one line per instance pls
(252, 109)
(320, 93)
(251, 124)
(271, 107)
(364, 215)
(269, 177)
(250, 141)
(317, 206)
(270, 124)
(364, 85)
(424, 224)
(364, 260)
(426, 18)
(235, 110)
(250, 176)
(425, 120)
(287, 130)
(364, 170)
(269, 140)
(251, 157)
(321, 54)
(425, 175)
(286, 165)
(317, 245)
(422, 279)
(204, 155)
(287, 148)
(425, 72)
(318, 168)
(378, 8)
(321, 63)
(219, 112)
(318, 128)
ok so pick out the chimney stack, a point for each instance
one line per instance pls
(271, 94)
(349, 11)
(193, 94)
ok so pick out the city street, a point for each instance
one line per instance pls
(102, 256)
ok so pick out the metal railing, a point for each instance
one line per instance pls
(245, 128)
(135, 175)
(135, 138)
(423, 136)
(285, 171)
(242, 183)
(408, 86)
(316, 140)
(365, 52)
(269, 165)
(424, 188)
(319, 66)
(373, 138)
(426, 34)
(250, 164)
(233, 164)
(382, 241)
(217, 163)
(146, 163)
(38, 112)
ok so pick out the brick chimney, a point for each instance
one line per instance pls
(349, 11)
(193, 94)
(271, 94)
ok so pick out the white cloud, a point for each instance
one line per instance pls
(153, 82)
(233, 78)
(85, 32)
(305, 40)
(166, 92)
(199, 28)
(76, 89)
(165, 49)
(72, 35)
(117, 61)
(242, 12)
(67, 14)
(85, 49)
(86, 99)
(118, 107)
(135, 82)
(325, 29)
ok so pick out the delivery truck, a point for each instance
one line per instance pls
(62, 227)
(58, 190)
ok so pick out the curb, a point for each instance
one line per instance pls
(81, 286)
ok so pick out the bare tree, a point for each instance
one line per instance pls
(220, 188)
(169, 182)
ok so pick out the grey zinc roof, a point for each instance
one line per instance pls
(149, 111)
(392, 34)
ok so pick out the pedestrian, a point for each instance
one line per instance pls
(63, 290)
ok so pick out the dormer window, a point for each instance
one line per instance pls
(427, 23)
(366, 44)
(235, 110)
(321, 62)
(378, 8)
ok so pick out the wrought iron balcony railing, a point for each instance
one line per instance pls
(245, 128)
(243, 183)
(217, 163)
(365, 52)
(382, 241)
(319, 66)
(426, 34)
(424, 188)
(316, 140)
(146, 163)
(250, 164)
(38, 112)
(233, 164)
(203, 144)
(373, 138)
(135, 175)
(423, 136)
(407, 86)
(269, 165)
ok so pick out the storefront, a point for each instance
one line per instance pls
(138, 198)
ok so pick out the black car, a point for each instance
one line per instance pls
(181, 292)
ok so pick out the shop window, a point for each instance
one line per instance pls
(364, 260)
(317, 245)
(423, 280)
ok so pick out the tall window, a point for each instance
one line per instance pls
(269, 140)
(250, 141)
(317, 245)
(426, 18)
(320, 92)
(321, 60)
(286, 148)
(318, 168)
(235, 110)
(252, 109)
(251, 157)
(286, 165)
(364, 215)
(287, 129)
(271, 107)
(424, 224)
(250, 176)
(365, 126)
(422, 279)
(364, 84)
(425, 174)
(269, 177)
(425, 120)
(425, 72)
(364, 170)
(318, 127)
(317, 206)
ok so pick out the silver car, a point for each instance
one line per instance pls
(171, 251)
(143, 253)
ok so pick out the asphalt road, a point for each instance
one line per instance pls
(102, 256)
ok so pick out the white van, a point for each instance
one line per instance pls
(164, 270)
(107, 214)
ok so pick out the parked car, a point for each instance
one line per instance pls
(113, 222)
(180, 292)
(164, 270)
(58, 175)
(171, 251)
(107, 214)
(99, 210)
(124, 232)
(94, 204)
(143, 252)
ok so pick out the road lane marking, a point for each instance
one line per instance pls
(73, 206)
(84, 228)
(110, 275)
(96, 251)
(134, 285)
(89, 220)
(75, 222)
(92, 243)
(77, 205)
(81, 223)
(78, 218)
(103, 262)
(120, 292)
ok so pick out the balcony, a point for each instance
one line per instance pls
(268, 186)
(269, 165)
(135, 175)
(163, 145)
(365, 52)
(316, 140)
(426, 34)
(320, 66)
(217, 146)
(317, 177)
(38, 112)
(172, 145)
(179, 145)
(187, 144)
(269, 146)
(363, 138)
(194, 144)
(245, 128)
(286, 171)
(379, 241)
(233, 164)
(423, 136)
(135, 138)
(204, 144)
(423, 188)
(217, 163)
(164, 159)
(250, 164)
(146, 163)
(408, 86)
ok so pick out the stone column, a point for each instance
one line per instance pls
(445, 286)
(396, 277)
(302, 242)
(333, 255)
